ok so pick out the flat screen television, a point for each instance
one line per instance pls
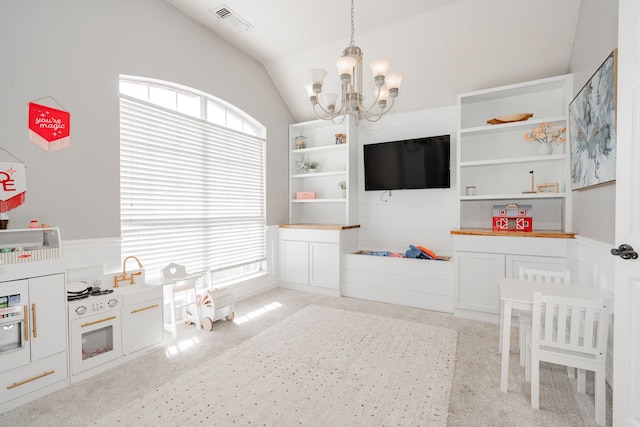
(408, 164)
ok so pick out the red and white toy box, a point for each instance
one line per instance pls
(302, 195)
(512, 217)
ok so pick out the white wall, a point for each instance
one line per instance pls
(417, 217)
(596, 36)
(74, 51)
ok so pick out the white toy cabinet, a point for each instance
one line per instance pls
(33, 337)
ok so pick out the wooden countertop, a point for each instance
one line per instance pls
(536, 233)
(320, 226)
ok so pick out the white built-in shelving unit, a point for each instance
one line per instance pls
(497, 161)
(337, 164)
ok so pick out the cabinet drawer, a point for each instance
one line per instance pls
(534, 246)
(37, 375)
(308, 235)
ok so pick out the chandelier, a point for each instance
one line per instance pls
(352, 100)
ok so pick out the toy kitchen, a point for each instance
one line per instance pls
(112, 320)
(53, 333)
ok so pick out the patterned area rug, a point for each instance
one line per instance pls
(320, 366)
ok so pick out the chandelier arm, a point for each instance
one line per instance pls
(343, 116)
(363, 108)
(374, 117)
(327, 117)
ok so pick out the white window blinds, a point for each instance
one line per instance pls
(191, 192)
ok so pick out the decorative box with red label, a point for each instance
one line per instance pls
(512, 217)
(301, 195)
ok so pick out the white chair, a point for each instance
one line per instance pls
(524, 317)
(570, 332)
(180, 293)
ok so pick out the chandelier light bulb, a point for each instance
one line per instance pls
(309, 89)
(312, 96)
(317, 78)
(330, 100)
(383, 94)
(393, 84)
(345, 66)
(379, 70)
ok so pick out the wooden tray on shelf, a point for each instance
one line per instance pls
(510, 118)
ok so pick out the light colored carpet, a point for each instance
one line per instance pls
(320, 366)
(476, 399)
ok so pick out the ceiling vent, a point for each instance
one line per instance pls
(229, 16)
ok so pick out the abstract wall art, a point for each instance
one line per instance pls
(592, 128)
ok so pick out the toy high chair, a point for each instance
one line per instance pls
(180, 293)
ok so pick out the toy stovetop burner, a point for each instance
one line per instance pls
(512, 217)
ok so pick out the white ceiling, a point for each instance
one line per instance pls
(442, 47)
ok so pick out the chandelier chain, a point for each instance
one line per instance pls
(353, 43)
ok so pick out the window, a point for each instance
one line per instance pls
(191, 181)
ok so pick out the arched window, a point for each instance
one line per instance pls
(191, 180)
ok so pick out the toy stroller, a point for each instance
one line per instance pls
(215, 304)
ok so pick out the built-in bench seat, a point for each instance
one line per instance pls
(419, 283)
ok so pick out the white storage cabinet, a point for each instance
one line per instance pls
(41, 365)
(311, 259)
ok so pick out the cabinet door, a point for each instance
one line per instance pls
(48, 309)
(295, 261)
(477, 285)
(514, 262)
(141, 326)
(324, 259)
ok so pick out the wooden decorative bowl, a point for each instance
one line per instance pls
(510, 118)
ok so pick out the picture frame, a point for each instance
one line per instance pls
(592, 128)
(551, 187)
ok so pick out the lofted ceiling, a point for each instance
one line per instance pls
(442, 47)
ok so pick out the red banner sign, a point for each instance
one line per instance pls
(13, 185)
(49, 127)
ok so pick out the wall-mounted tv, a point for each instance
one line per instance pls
(408, 164)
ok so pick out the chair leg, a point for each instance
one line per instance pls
(600, 398)
(571, 372)
(527, 364)
(535, 383)
(501, 327)
(522, 342)
(172, 317)
(582, 381)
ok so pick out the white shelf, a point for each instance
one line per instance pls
(334, 147)
(533, 159)
(318, 174)
(318, 200)
(510, 127)
(514, 196)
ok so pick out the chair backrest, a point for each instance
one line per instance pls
(549, 276)
(174, 271)
(193, 281)
(570, 324)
